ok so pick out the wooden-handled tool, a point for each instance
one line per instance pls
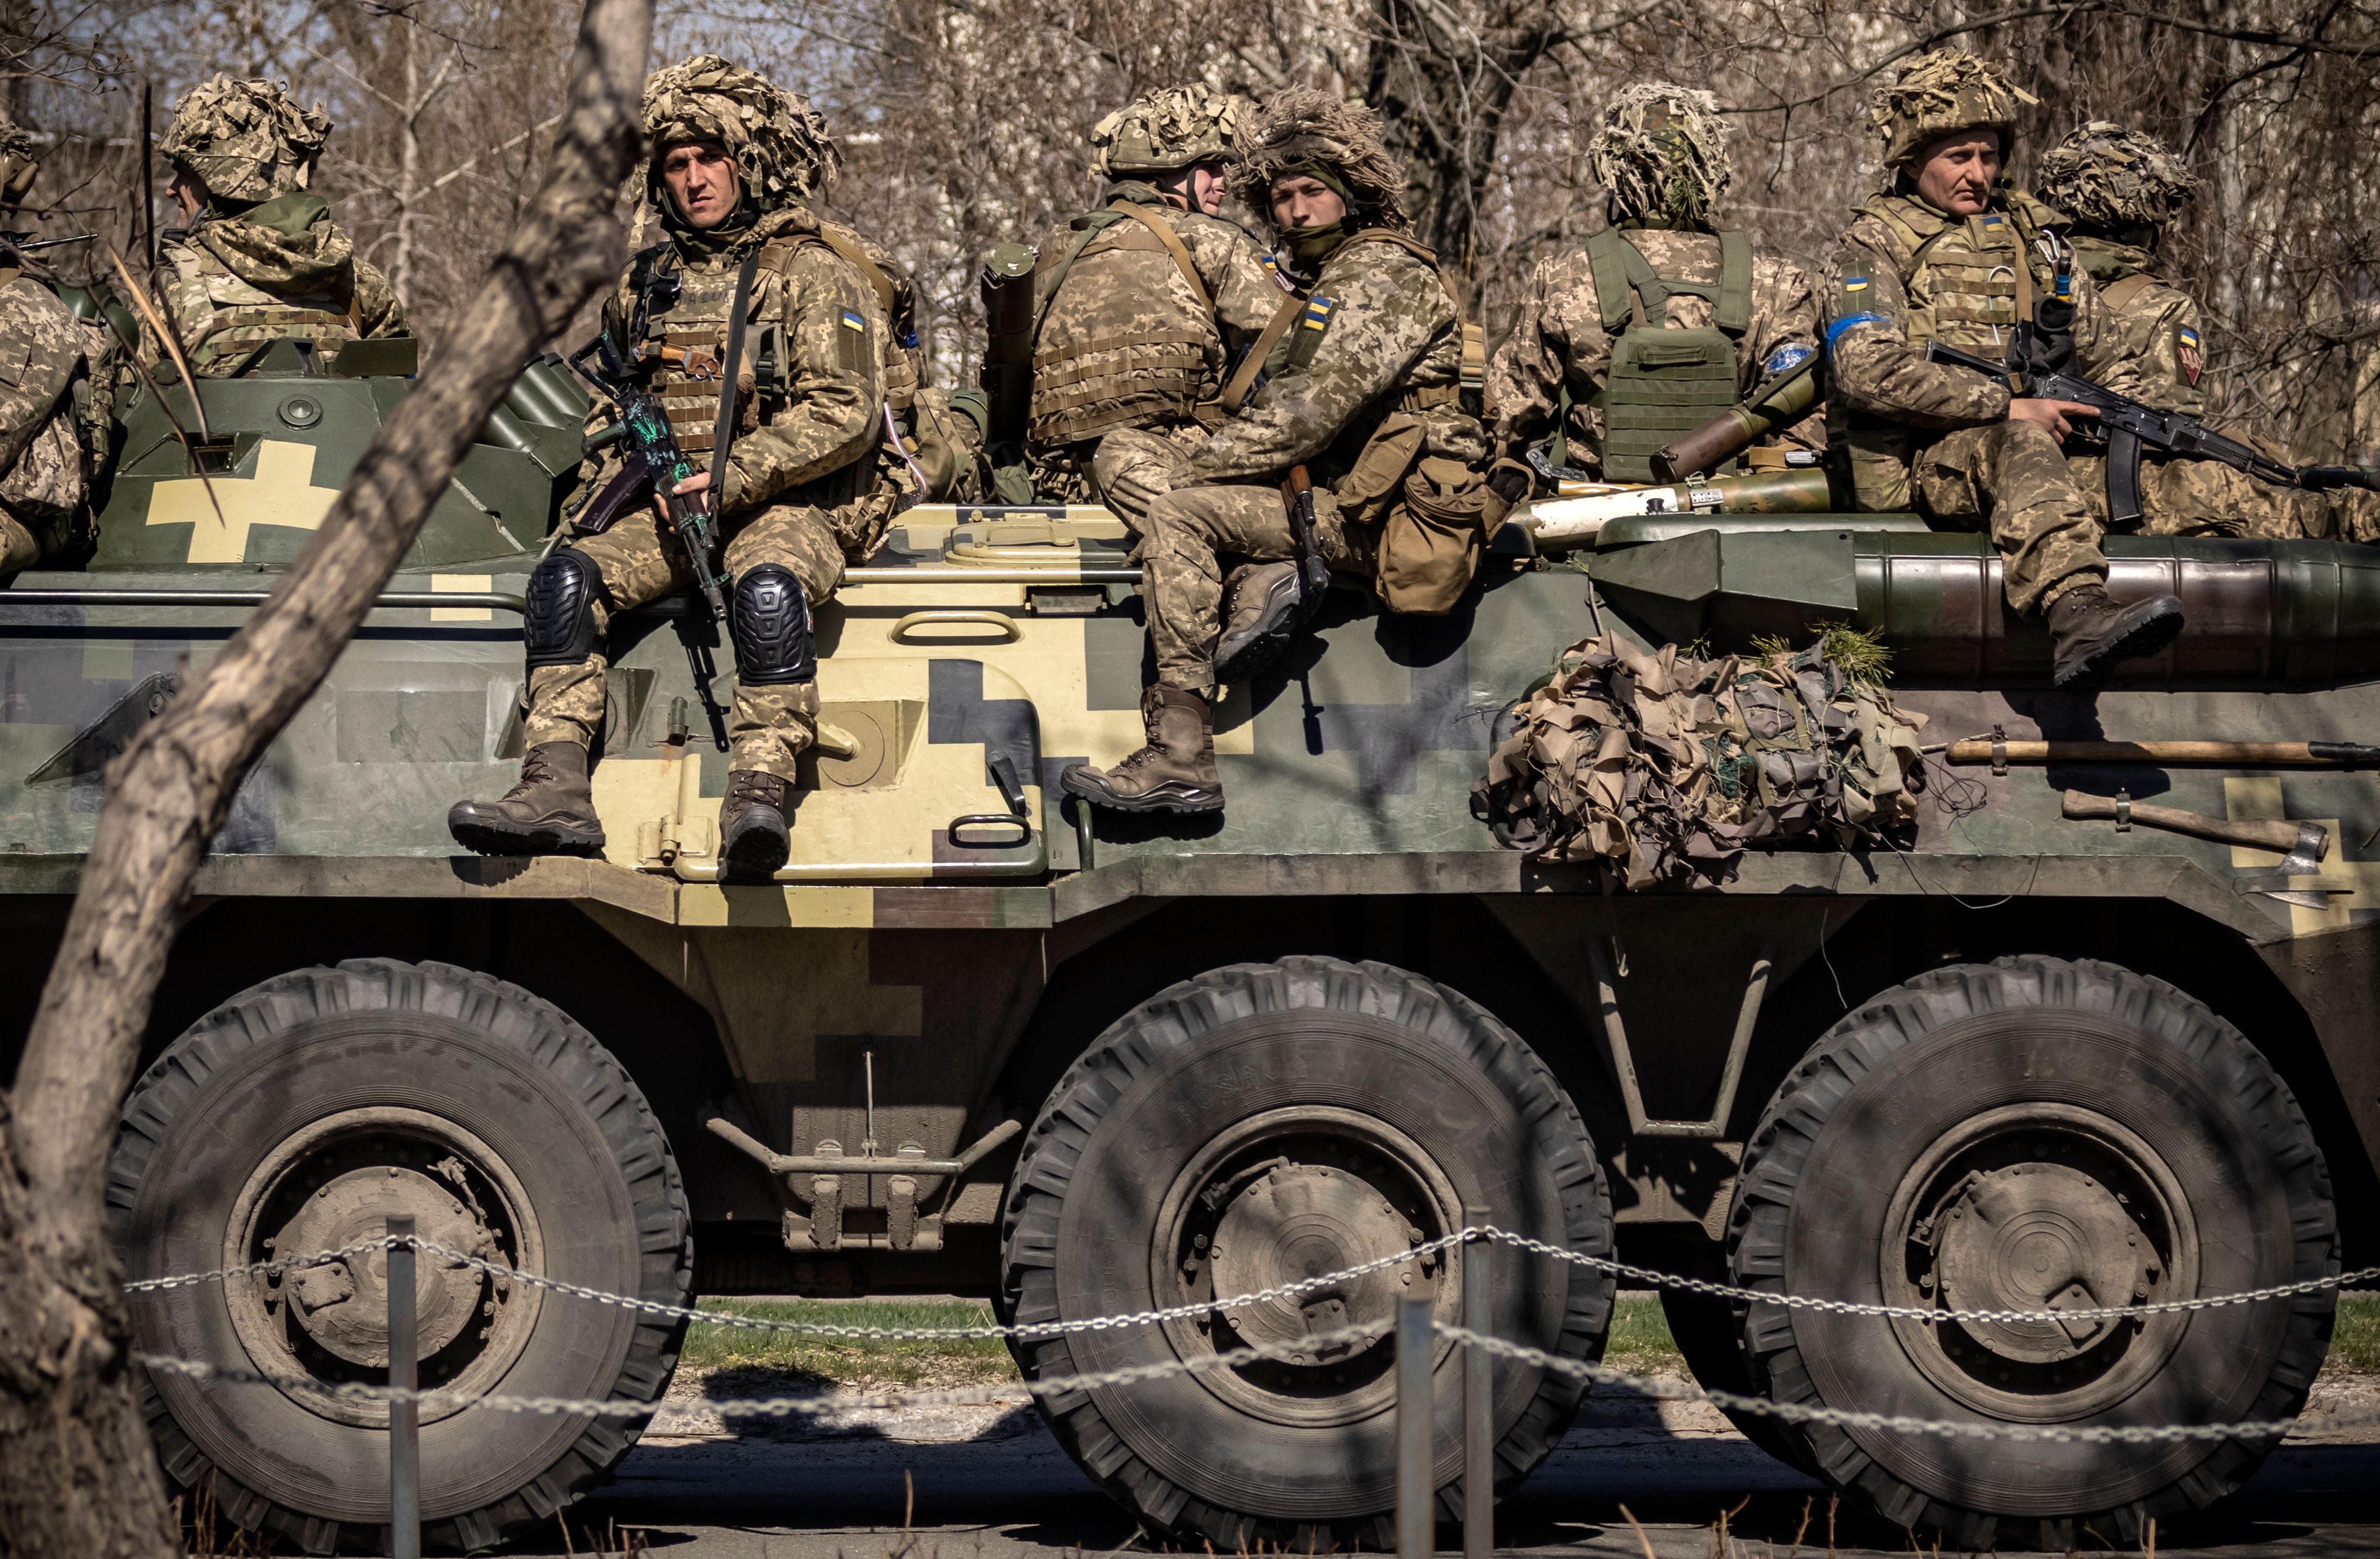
(2229, 754)
(2303, 844)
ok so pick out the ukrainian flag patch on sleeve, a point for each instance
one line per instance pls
(1317, 313)
(853, 320)
(1854, 284)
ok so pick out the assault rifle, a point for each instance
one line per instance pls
(651, 458)
(1313, 570)
(26, 243)
(2130, 426)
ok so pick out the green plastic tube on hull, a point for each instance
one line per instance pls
(1562, 524)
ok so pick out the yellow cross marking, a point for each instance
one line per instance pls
(281, 493)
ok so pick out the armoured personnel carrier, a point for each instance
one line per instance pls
(975, 1040)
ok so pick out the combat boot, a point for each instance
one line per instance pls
(753, 839)
(549, 812)
(2089, 631)
(1259, 615)
(1175, 773)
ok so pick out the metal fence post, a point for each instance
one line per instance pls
(404, 1417)
(1478, 1399)
(1416, 1423)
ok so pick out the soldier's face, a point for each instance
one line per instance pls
(1205, 188)
(700, 177)
(1300, 199)
(1956, 174)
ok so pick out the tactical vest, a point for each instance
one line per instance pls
(1663, 382)
(1969, 279)
(1125, 334)
(242, 317)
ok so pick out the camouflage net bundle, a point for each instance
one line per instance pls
(1668, 766)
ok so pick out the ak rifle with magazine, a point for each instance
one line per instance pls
(2130, 426)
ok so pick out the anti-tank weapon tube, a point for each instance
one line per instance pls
(1779, 401)
(1007, 376)
(1562, 524)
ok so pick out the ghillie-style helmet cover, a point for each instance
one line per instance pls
(779, 142)
(1660, 151)
(1304, 128)
(2105, 176)
(21, 161)
(245, 140)
(1942, 93)
(1172, 127)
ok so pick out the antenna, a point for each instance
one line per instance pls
(147, 183)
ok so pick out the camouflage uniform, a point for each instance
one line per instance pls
(1661, 153)
(799, 488)
(55, 376)
(1139, 306)
(265, 260)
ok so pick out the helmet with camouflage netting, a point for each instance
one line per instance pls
(2105, 175)
(1660, 151)
(1169, 128)
(1305, 130)
(245, 140)
(779, 143)
(1943, 94)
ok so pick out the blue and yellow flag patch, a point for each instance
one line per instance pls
(1317, 313)
(1854, 284)
(851, 320)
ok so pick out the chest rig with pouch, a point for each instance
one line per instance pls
(1133, 341)
(1661, 382)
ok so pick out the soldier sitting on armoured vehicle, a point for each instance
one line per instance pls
(1141, 304)
(262, 259)
(1661, 320)
(54, 397)
(1367, 388)
(1951, 252)
(735, 162)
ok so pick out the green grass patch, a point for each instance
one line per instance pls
(1640, 1341)
(2355, 1336)
(868, 1363)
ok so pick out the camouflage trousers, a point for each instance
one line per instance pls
(2011, 480)
(23, 543)
(770, 725)
(1191, 531)
(2181, 497)
(1135, 467)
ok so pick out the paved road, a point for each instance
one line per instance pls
(990, 1483)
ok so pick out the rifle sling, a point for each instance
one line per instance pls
(1252, 361)
(724, 430)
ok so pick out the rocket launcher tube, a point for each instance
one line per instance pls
(1778, 402)
(1007, 375)
(1562, 524)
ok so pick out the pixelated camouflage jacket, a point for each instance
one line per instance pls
(1904, 274)
(56, 376)
(1122, 339)
(283, 268)
(1379, 334)
(1560, 338)
(812, 380)
(2160, 322)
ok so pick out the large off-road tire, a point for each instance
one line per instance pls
(1265, 1123)
(293, 1118)
(2002, 1138)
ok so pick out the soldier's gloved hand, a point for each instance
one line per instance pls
(1508, 482)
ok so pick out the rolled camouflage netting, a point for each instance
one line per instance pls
(779, 142)
(245, 140)
(2106, 175)
(1667, 766)
(1662, 150)
(1306, 125)
(1172, 127)
(1939, 94)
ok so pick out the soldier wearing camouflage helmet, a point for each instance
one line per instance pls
(736, 163)
(2119, 192)
(1660, 276)
(261, 258)
(1140, 305)
(1365, 391)
(55, 374)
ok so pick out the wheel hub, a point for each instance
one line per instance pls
(1295, 1222)
(2040, 1236)
(344, 1305)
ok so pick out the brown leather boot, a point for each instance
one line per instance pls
(1175, 773)
(2089, 631)
(753, 839)
(1260, 604)
(549, 812)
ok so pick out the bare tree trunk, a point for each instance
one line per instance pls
(408, 163)
(77, 1479)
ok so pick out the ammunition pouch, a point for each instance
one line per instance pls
(558, 623)
(769, 623)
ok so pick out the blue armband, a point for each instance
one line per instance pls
(1835, 331)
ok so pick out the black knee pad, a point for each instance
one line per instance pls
(558, 626)
(771, 627)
